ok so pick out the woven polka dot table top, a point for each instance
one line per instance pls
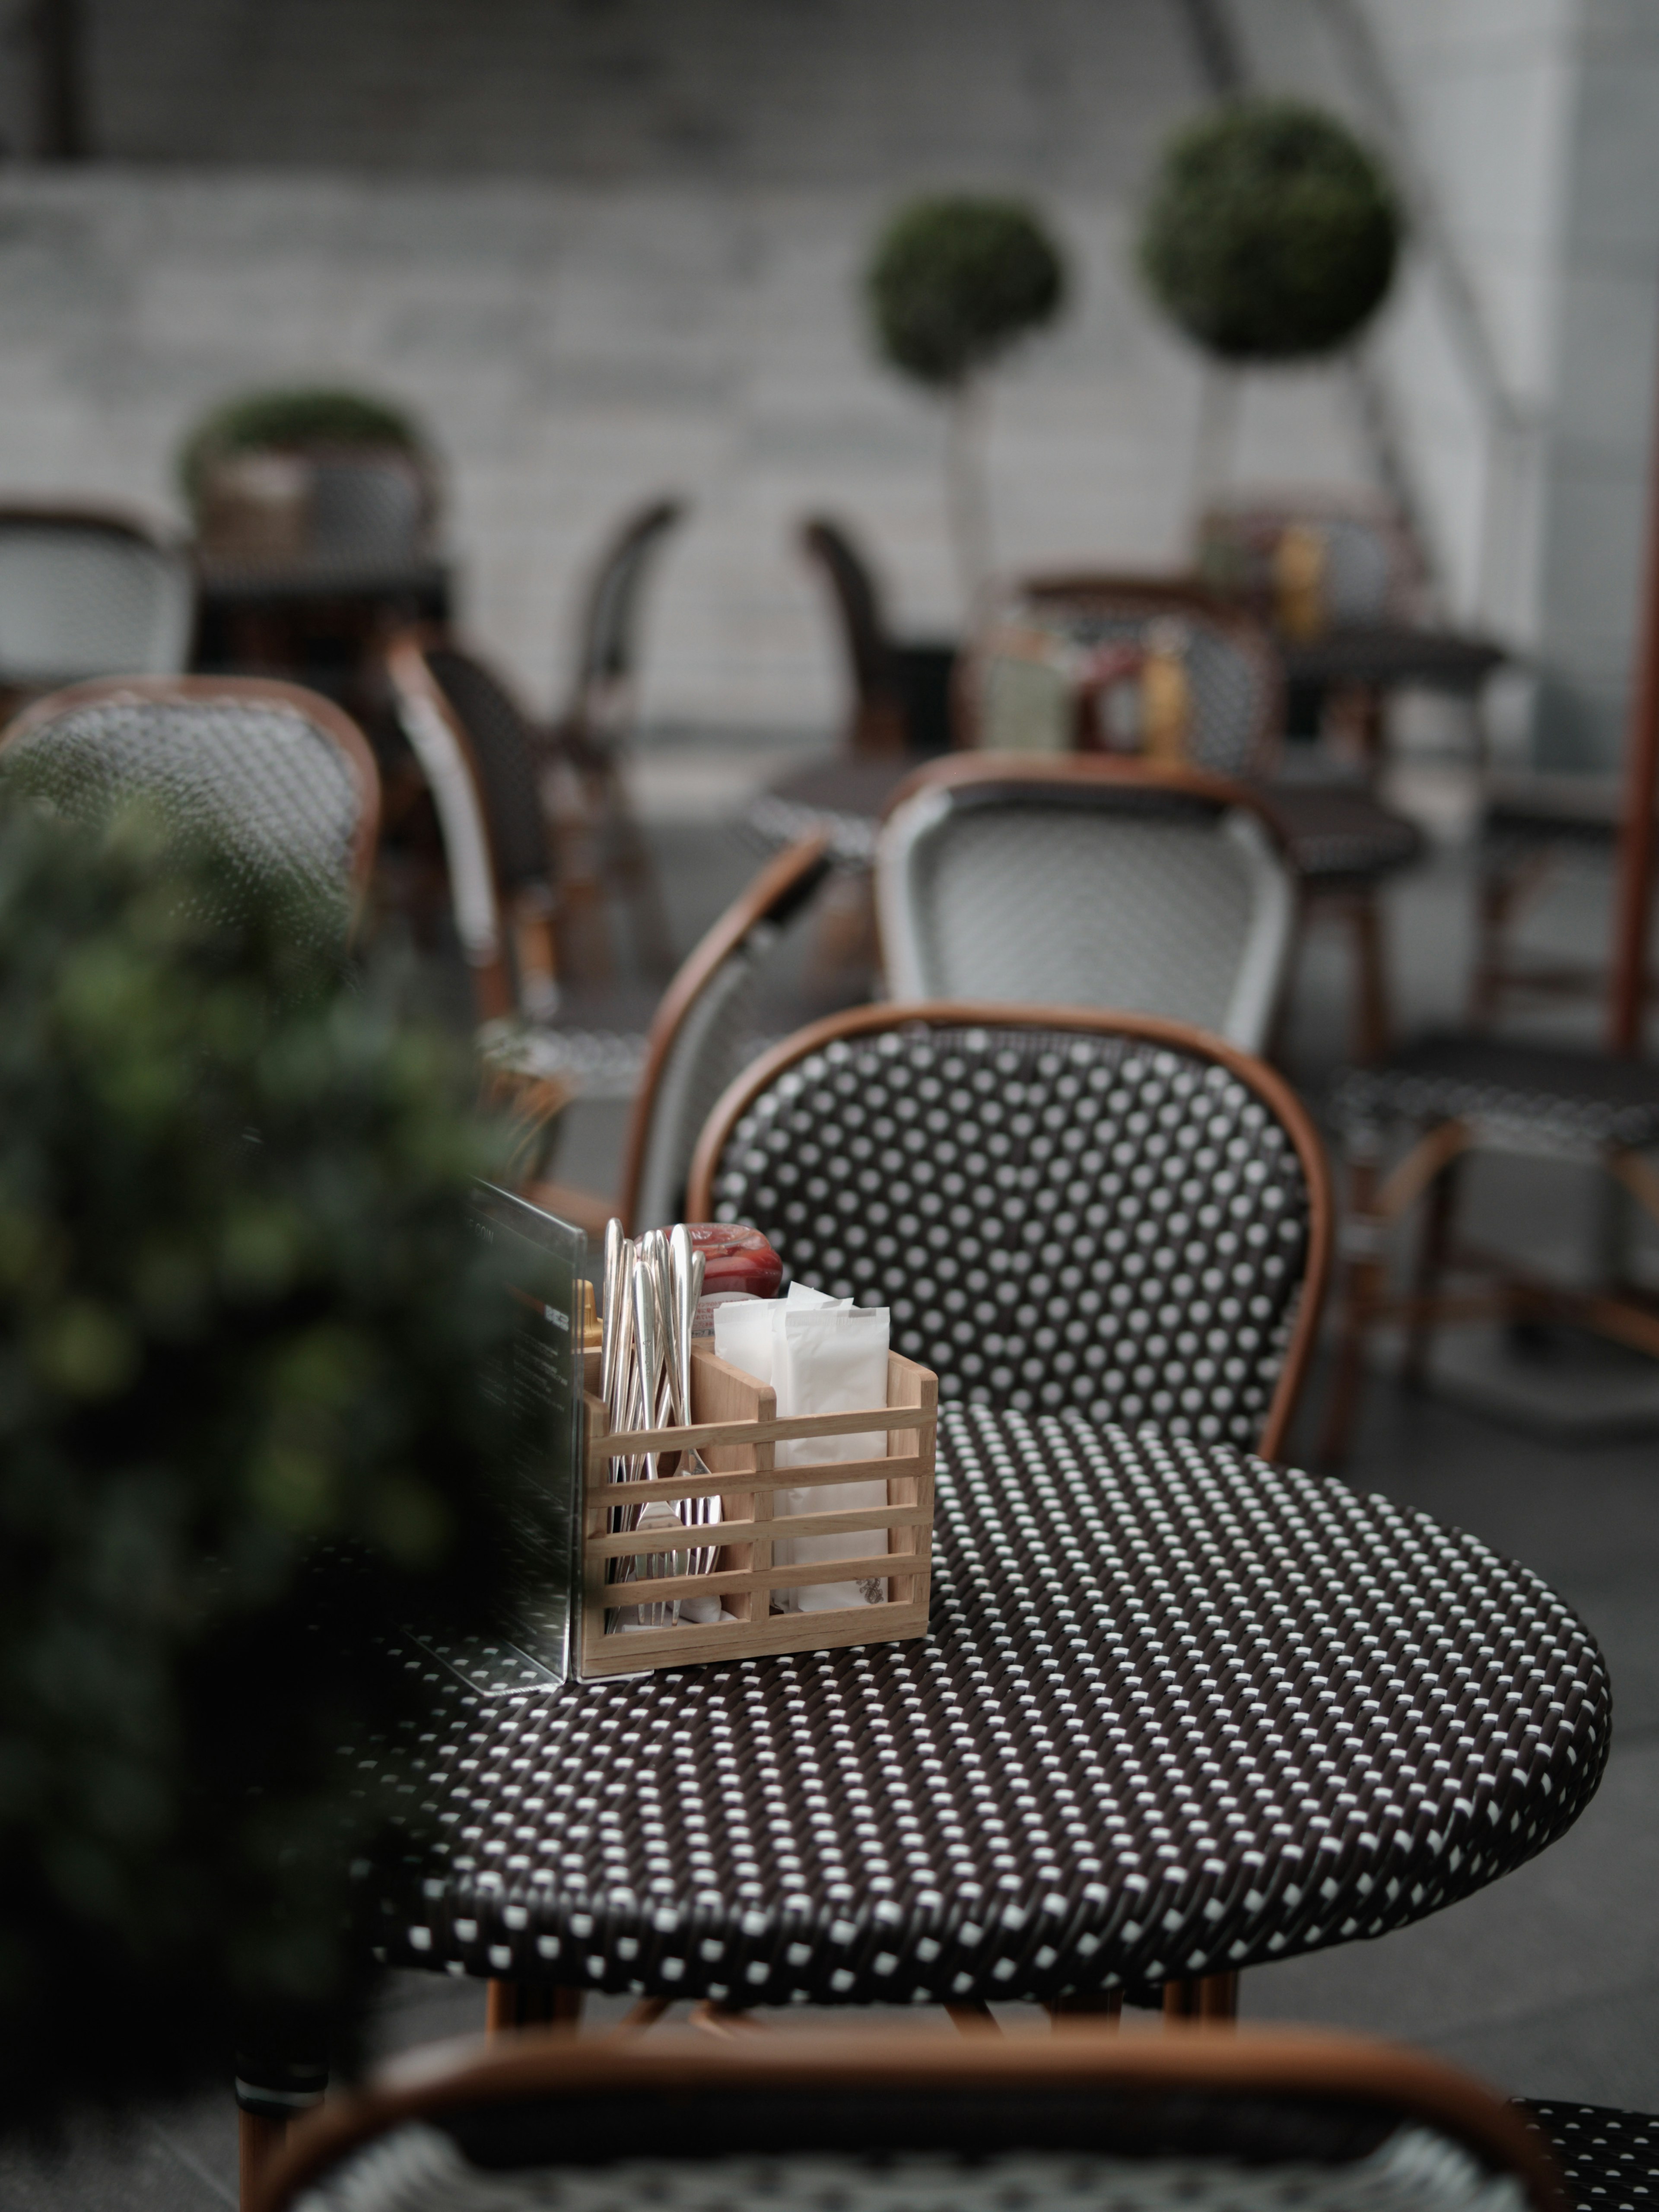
(1177, 1712)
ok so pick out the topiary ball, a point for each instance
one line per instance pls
(954, 281)
(292, 421)
(248, 1427)
(1271, 233)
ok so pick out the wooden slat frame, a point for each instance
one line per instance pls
(739, 1443)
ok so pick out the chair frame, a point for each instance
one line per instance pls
(243, 690)
(486, 916)
(791, 877)
(1076, 772)
(115, 521)
(1287, 507)
(1315, 2068)
(1180, 1036)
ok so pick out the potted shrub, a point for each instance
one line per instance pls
(1271, 233)
(952, 284)
(245, 1330)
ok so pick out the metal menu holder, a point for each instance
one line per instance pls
(544, 1258)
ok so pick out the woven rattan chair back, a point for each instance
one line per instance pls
(84, 593)
(704, 1033)
(278, 778)
(478, 751)
(1020, 684)
(608, 647)
(857, 607)
(1364, 569)
(873, 2121)
(1089, 883)
(1063, 1210)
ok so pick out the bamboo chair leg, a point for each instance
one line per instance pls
(716, 2019)
(257, 2141)
(1362, 1272)
(1209, 1997)
(1373, 1018)
(1431, 1257)
(974, 2017)
(511, 2005)
(1102, 2011)
(645, 2013)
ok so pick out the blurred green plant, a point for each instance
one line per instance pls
(1271, 232)
(291, 420)
(245, 1431)
(953, 281)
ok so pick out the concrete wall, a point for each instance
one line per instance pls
(606, 249)
(1518, 354)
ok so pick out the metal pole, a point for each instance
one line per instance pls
(60, 107)
(1636, 841)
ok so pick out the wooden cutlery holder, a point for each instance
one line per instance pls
(736, 1430)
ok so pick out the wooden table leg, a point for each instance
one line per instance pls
(511, 2005)
(1207, 1996)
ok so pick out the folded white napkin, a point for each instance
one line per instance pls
(821, 1355)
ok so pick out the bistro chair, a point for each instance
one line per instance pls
(900, 689)
(478, 755)
(277, 776)
(1087, 882)
(1409, 1126)
(85, 593)
(1064, 1209)
(1533, 826)
(1257, 2121)
(703, 1033)
(1165, 669)
(593, 731)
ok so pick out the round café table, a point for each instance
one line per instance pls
(1178, 1713)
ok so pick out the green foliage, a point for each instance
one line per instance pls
(244, 1432)
(1272, 234)
(290, 420)
(955, 281)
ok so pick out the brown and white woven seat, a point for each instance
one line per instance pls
(1252, 2123)
(87, 592)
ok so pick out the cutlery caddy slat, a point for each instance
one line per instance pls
(737, 1430)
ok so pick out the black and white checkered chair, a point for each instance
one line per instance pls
(280, 780)
(1087, 881)
(89, 593)
(1062, 1208)
(1076, 2122)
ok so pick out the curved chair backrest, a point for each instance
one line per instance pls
(478, 751)
(1363, 568)
(1061, 1208)
(857, 604)
(274, 773)
(607, 651)
(1087, 881)
(1021, 685)
(85, 592)
(874, 2120)
(704, 1032)
(349, 511)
